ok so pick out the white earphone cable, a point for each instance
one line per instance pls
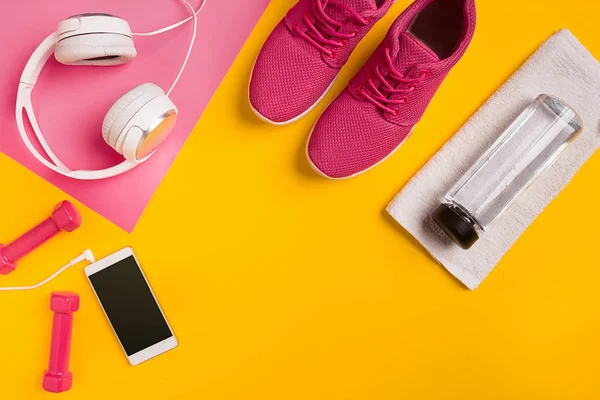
(175, 25)
(87, 255)
(194, 16)
(187, 56)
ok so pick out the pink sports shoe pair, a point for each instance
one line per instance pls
(379, 108)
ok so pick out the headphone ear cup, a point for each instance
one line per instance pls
(134, 116)
(127, 105)
(95, 49)
(121, 105)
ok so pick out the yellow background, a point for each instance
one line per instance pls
(283, 285)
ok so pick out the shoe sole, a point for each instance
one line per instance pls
(318, 171)
(267, 120)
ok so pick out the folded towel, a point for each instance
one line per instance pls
(561, 67)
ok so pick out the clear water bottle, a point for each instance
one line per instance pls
(527, 147)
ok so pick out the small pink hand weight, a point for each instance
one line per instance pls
(58, 378)
(65, 217)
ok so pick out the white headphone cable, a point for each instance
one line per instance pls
(85, 256)
(175, 25)
(187, 56)
(170, 27)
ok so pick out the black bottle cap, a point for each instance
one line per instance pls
(455, 226)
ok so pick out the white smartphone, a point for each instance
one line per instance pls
(130, 306)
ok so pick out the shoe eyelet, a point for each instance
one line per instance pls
(361, 89)
(396, 112)
(370, 77)
(425, 73)
(306, 15)
(344, 43)
(404, 100)
(295, 25)
(333, 54)
(354, 33)
(413, 87)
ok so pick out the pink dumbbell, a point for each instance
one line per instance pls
(57, 378)
(65, 217)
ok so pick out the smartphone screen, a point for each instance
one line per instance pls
(130, 305)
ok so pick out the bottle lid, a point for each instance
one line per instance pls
(454, 225)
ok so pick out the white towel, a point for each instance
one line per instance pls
(561, 67)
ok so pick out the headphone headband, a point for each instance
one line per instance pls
(70, 28)
(27, 82)
(38, 59)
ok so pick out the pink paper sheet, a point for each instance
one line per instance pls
(70, 102)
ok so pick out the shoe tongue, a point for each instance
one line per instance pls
(339, 14)
(409, 51)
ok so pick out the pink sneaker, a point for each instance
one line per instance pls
(381, 105)
(301, 58)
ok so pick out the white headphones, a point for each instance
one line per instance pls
(137, 123)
